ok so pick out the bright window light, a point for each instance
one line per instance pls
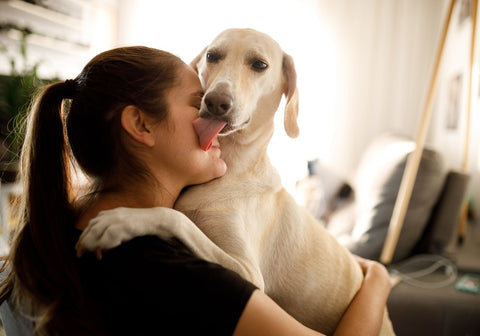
(186, 27)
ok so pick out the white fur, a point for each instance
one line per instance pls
(253, 225)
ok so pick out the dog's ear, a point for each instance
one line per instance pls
(291, 92)
(196, 61)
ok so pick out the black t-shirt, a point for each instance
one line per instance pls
(148, 286)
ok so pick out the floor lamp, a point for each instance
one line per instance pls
(411, 168)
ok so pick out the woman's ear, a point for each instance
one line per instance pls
(135, 124)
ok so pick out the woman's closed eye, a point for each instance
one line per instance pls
(197, 100)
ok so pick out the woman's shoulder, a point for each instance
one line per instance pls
(147, 247)
(154, 257)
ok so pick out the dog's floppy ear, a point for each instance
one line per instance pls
(196, 61)
(291, 92)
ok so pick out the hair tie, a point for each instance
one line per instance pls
(70, 87)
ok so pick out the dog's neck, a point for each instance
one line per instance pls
(245, 152)
(249, 170)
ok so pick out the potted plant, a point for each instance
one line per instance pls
(16, 90)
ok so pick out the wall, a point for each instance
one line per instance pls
(185, 27)
(386, 51)
(363, 66)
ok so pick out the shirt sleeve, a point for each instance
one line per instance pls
(150, 287)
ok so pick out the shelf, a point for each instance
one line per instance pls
(49, 42)
(15, 8)
(47, 22)
(63, 35)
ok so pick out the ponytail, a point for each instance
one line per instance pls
(44, 277)
(43, 269)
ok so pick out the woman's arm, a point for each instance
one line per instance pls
(262, 316)
(364, 315)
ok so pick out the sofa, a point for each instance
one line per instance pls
(357, 211)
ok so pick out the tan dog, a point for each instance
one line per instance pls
(247, 221)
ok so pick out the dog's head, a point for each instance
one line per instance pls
(244, 73)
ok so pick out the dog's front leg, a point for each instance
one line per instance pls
(113, 227)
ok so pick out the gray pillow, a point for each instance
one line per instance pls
(445, 215)
(376, 186)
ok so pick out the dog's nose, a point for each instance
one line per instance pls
(217, 103)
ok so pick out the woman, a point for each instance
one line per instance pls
(126, 121)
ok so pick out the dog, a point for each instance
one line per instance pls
(246, 220)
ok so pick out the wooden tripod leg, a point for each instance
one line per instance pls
(462, 223)
(411, 168)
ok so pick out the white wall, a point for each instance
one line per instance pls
(363, 66)
(386, 55)
(186, 27)
(386, 51)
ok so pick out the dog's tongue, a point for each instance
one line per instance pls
(207, 130)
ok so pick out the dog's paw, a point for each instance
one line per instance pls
(108, 230)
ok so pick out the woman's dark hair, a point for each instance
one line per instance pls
(79, 117)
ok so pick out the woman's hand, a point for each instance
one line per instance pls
(367, 311)
(373, 271)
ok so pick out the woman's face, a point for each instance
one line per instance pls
(177, 146)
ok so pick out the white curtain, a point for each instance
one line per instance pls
(363, 66)
(386, 53)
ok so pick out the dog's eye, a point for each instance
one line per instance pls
(213, 57)
(259, 65)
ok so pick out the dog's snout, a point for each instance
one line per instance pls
(218, 103)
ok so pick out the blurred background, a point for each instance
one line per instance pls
(364, 69)
(363, 66)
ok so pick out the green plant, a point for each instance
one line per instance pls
(16, 91)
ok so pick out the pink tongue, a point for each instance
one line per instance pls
(207, 130)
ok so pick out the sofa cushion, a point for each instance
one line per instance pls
(376, 184)
(445, 215)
